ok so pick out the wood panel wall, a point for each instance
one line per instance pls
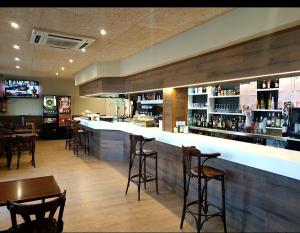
(174, 107)
(269, 54)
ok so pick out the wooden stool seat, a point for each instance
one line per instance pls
(146, 152)
(207, 171)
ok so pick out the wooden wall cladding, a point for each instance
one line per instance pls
(269, 54)
(174, 107)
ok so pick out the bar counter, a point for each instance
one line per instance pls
(261, 182)
(276, 160)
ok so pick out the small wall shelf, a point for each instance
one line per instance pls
(151, 102)
(225, 96)
(227, 113)
(269, 89)
(267, 110)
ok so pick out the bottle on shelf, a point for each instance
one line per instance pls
(270, 101)
(264, 84)
(278, 121)
(284, 128)
(273, 120)
(276, 83)
(269, 84)
(269, 120)
(262, 103)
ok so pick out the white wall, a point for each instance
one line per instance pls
(233, 27)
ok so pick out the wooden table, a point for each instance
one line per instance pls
(25, 190)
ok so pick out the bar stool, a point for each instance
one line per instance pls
(137, 143)
(69, 133)
(205, 173)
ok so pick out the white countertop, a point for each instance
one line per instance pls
(277, 160)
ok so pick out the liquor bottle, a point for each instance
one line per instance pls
(233, 124)
(276, 84)
(273, 120)
(277, 121)
(262, 103)
(219, 90)
(269, 120)
(269, 101)
(264, 84)
(269, 84)
(284, 128)
(272, 103)
(215, 91)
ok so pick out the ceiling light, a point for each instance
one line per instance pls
(14, 25)
(18, 67)
(17, 59)
(62, 68)
(83, 50)
(71, 60)
(16, 46)
(56, 73)
(102, 32)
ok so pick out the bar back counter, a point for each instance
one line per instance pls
(262, 183)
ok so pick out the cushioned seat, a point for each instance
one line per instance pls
(147, 152)
(207, 171)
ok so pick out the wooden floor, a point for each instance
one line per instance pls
(95, 194)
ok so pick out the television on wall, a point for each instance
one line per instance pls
(22, 88)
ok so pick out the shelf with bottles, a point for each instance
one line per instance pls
(267, 100)
(225, 96)
(227, 113)
(268, 85)
(151, 101)
(267, 110)
(197, 91)
(275, 128)
(225, 91)
(155, 97)
(270, 89)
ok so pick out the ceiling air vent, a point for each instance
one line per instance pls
(59, 40)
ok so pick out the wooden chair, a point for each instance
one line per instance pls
(41, 224)
(26, 143)
(6, 146)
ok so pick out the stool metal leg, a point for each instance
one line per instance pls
(205, 195)
(184, 200)
(199, 225)
(129, 173)
(145, 174)
(140, 174)
(223, 204)
(156, 174)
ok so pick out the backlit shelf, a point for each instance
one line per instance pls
(225, 96)
(227, 113)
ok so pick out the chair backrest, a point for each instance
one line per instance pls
(39, 211)
(30, 125)
(136, 143)
(26, 143)
(187, 155)
(5, 142)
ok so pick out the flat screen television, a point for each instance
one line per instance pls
(22, 88)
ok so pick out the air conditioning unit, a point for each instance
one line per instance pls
(59, 40)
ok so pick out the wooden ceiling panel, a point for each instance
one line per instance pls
(129, 30)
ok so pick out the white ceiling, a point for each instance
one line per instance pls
(129, 30)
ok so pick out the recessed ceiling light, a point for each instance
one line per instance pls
(102, 32)
(83, 50)
(56, 73)
(18, 67)
(62, 68)
(17, 59)
(16, 46)
(14, 25)
(71, 60)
